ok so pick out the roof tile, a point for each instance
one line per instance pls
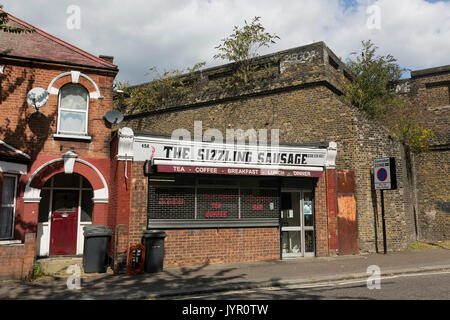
(43, 46)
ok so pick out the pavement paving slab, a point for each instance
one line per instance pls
(223, 277)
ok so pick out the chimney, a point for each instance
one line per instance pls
(107, 58)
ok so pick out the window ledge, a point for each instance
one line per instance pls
(204, 223)
(58, 136)
(5, 242)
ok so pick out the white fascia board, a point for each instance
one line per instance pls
(11, 167)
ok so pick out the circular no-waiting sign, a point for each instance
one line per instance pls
(382, 174)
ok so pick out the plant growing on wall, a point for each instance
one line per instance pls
(243, 45)
(372, 75)
(5, 28)
(371, 91)
(165, 88)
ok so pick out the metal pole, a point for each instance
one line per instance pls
(383, 222)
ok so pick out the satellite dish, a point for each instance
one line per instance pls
(114, 116)
(37, 98)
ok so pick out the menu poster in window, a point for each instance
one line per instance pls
(171, 203)
(259, 203)
(217, 204)
(307, 208)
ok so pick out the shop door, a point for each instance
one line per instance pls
(64, 223)
(297, 223)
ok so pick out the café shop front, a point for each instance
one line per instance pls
(233, 202)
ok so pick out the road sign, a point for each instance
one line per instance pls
(384, 174)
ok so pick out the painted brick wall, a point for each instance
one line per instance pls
(138, 204)
(118, 208)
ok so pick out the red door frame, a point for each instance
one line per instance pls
(64, 228)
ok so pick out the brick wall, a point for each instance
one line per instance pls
(17, 260)
(428, 92)
(221, 245)
(433, 194)
(321, 217)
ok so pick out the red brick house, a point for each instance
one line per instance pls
(311, 195)
(54, 168)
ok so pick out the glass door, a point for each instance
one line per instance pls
(297, 223)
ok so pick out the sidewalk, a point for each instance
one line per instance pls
(215, 278)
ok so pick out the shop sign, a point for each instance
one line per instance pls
(145, 148)
(238, 171)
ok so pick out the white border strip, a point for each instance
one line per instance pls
(34, 194)
(234, 165)
(92, 95)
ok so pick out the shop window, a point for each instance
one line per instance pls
(211, 201)
(217, 203)
(259, 203)
(8, 206)
(167, 202)
(73, 110)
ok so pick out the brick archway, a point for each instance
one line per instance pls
(32, 199)
(53, 167)
(74, 77)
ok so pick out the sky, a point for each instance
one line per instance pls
(176, 34)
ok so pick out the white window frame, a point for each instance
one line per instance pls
(10, 205)
(63, 132)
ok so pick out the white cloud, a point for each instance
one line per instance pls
(178, 33)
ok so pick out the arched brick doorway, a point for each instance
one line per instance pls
(51, 179)
(66, 206)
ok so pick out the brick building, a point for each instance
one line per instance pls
(312, 194)
(54, 166)
(297, 91)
